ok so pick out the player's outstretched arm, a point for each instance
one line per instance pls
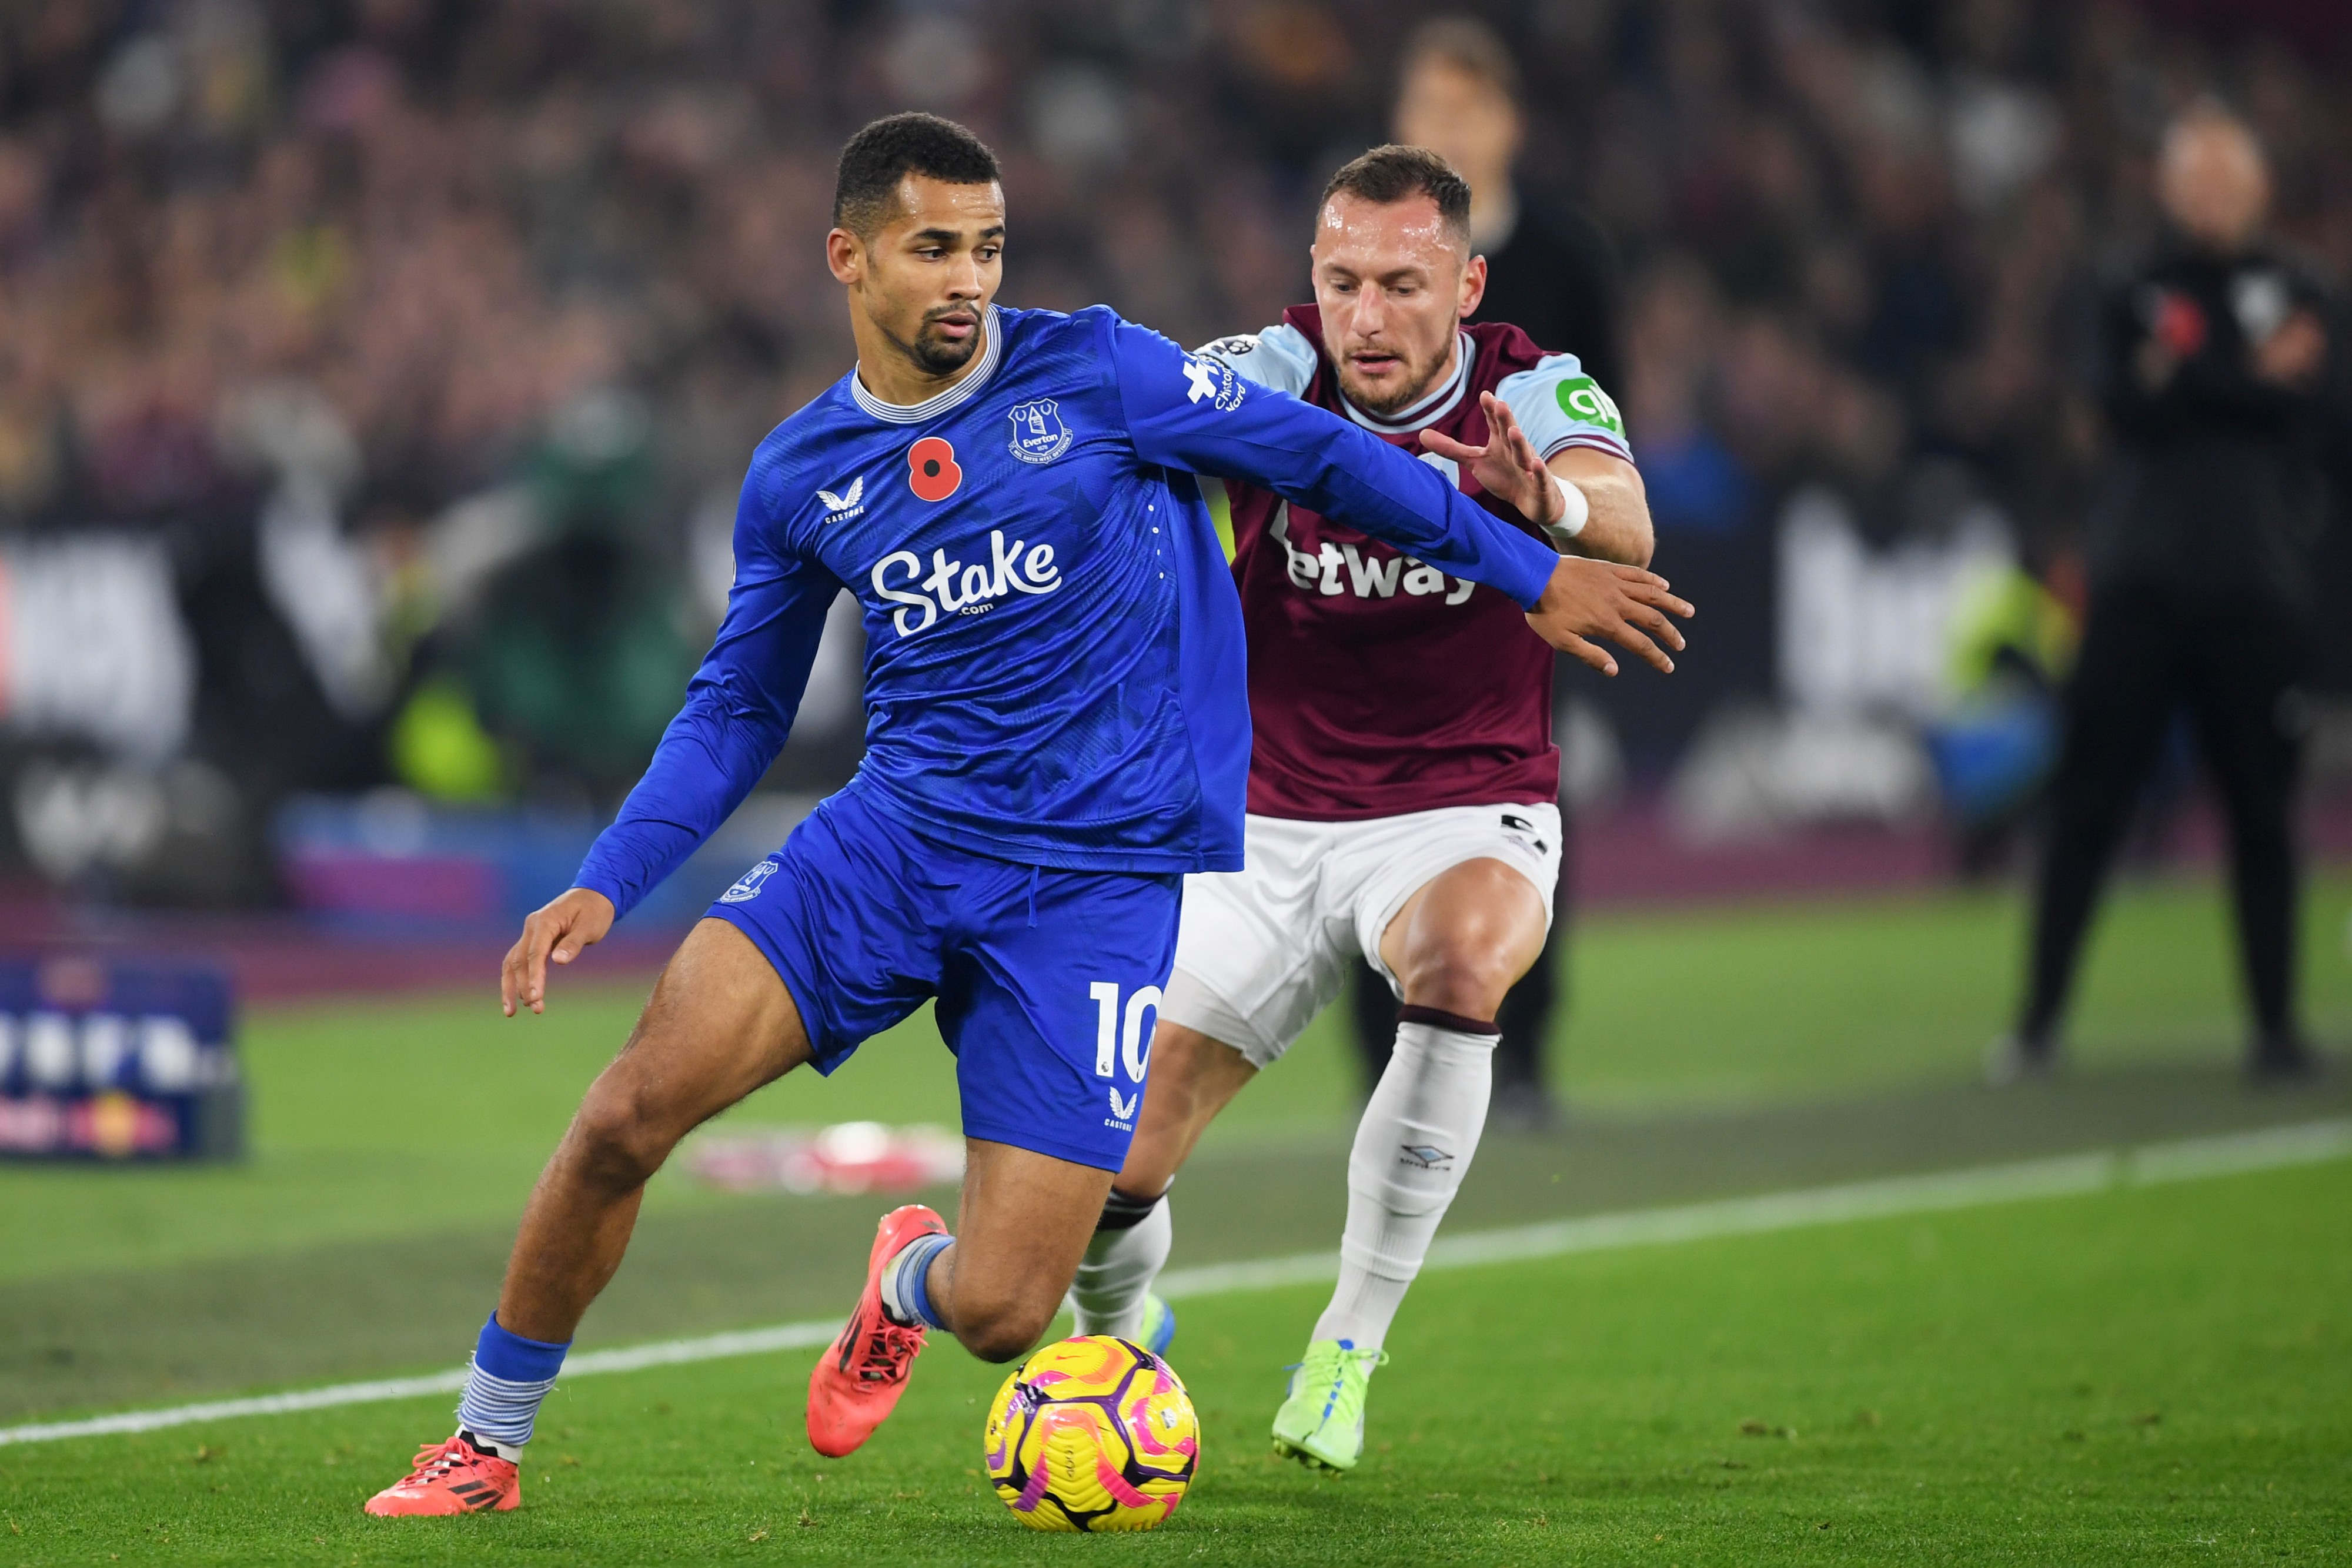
(1585, 599)
(559, 931)
(1617, 523)
(1195, 413)
(1588, 599)
(1612, 508)
(739, 710)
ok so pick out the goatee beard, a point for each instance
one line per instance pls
(938, 356)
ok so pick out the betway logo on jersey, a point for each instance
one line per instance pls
(953, 588)
(1334, 569)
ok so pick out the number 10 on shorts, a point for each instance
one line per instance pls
(1123, 1033)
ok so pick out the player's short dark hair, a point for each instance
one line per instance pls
(897, 145)
(1466, 45)
(1397, 174)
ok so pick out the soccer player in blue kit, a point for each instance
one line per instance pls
(1057, 732)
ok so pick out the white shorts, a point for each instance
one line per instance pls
(1259, 952)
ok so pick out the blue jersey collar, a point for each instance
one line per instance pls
(938, 403)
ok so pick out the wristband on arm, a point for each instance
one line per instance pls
(1576, 512)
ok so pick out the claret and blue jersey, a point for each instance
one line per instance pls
(1054, 643)
(1054, 681)
(1378, 686)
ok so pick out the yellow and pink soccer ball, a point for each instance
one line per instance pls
(1092, 1434)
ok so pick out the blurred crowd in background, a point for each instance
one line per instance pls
(376, 376)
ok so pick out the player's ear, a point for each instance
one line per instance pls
(844, 254)
(1473, 284)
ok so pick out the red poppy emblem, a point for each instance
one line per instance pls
(2180, 324)
(931, 469)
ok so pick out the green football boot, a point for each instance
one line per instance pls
(1322, 1422)
(1159, 1331)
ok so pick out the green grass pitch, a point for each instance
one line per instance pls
(2145, 1375)
(2162, 1376)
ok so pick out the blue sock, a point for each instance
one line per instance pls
(510, 1377)
(905, 1282)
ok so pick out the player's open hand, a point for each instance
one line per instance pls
(565, 927)
(1507, 466)
(1587, 599)
(2294, 353)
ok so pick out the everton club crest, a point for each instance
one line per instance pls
(1038, 433)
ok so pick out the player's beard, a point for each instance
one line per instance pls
(943, 356)
(1419, 382)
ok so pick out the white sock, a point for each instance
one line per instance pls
(1413, 1146)
(1119, 1269)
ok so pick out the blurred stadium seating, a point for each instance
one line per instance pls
(375, 376)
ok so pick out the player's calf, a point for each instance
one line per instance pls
(1415, 1142)
(1192, 1079)
(1463, 938)
(1111, 1294)
(995, 1287)
(1022, 1228)
(995, 1315)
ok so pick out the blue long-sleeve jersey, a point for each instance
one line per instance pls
(1053, 665)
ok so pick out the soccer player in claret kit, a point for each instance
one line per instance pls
(1056, 733)
(1402, 796)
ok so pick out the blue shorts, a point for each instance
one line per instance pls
(1048, 981)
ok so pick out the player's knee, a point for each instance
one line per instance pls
(1001, 1331)
(620, 1142)
(1468, 978)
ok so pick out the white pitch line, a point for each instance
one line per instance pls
(628, 1358)
(2186, 1159)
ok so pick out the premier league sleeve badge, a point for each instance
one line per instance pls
(1038, 433)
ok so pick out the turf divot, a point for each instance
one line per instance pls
(2186, 1159)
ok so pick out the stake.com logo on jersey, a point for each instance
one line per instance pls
(953, 588)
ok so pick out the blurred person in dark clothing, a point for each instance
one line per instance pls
(2215, 368)
(1549, 274)
(580, 658)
